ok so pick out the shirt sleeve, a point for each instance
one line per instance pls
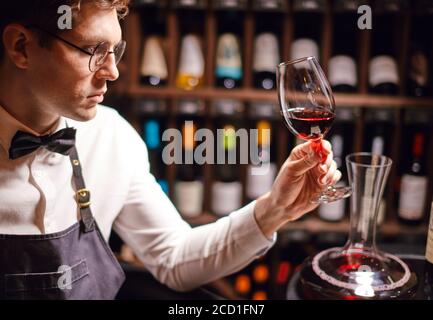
(179, 256)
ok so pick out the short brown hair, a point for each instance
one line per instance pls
(43, 13)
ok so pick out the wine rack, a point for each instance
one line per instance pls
(170, 18)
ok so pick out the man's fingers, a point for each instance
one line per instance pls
(336, 177)
(327, 178)
(300, 166)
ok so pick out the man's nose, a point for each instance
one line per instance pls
(108, 70)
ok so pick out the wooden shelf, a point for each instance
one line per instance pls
(250, 95)
(315, 225)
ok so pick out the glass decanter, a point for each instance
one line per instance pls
(359, 271)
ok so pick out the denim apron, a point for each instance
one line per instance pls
(76, 263)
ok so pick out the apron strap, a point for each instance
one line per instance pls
(83, 194)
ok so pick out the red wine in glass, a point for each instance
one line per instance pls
(311, 124)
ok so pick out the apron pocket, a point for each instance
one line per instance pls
(63, 280)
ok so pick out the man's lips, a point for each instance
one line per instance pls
(97, 94)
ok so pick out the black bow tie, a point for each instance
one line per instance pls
(24, 143)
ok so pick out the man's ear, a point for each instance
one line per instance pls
(16, 39)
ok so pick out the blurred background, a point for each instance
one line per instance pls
(213, 62)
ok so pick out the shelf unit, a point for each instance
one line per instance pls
(135, 32)
(128, 89)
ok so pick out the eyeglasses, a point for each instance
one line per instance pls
(98, 55)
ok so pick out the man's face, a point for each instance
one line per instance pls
(60, 80)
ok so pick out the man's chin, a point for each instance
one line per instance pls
(85, 113)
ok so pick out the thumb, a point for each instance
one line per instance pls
(301, 165)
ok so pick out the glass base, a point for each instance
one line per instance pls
(356, 274)
(332, 193)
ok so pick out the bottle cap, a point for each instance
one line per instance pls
(191, 57)
(153, 63)
(342, 71)
(230, 4)
(149, 106)
(309, 5)
(266, 53)
(263, 109)
(190, 106)
(274, 5)
(347, 5)
(228, 60)
(228, 107)
(226, 197)
(383, 69)
(302, 48)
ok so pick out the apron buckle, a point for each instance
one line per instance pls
(83, 198)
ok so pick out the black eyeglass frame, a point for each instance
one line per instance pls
(122, 43)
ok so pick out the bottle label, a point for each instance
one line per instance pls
(333, 211)
(226, 197)
(228, 63)
(342, 70)
(266, 53)
(189, 198)
(412, 196)
(429, 248)
(383, 69)
(377, 145)
(153, 62)
(191, 57)
(302, 48)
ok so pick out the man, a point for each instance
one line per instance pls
(57, 209)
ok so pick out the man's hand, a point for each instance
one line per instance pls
(301, 178)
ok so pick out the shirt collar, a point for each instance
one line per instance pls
(9, 126)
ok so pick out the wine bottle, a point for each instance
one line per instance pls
(335, 211)
(342, 68)
(191, 65)
(266, 58)
(428, 285)
(153, 65)
(414, 185)
(262, 172)
(342, 74)
(227, 188)
(379, 126)
(383, 71)
(153, 113)
(418, 74)
(304, 47)
(228, 70)
(341, 137)
(261, 277)
(188, 189)
(384, 75)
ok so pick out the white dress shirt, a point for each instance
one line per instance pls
(37, 197)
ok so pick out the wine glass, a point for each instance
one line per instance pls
(308, 107)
